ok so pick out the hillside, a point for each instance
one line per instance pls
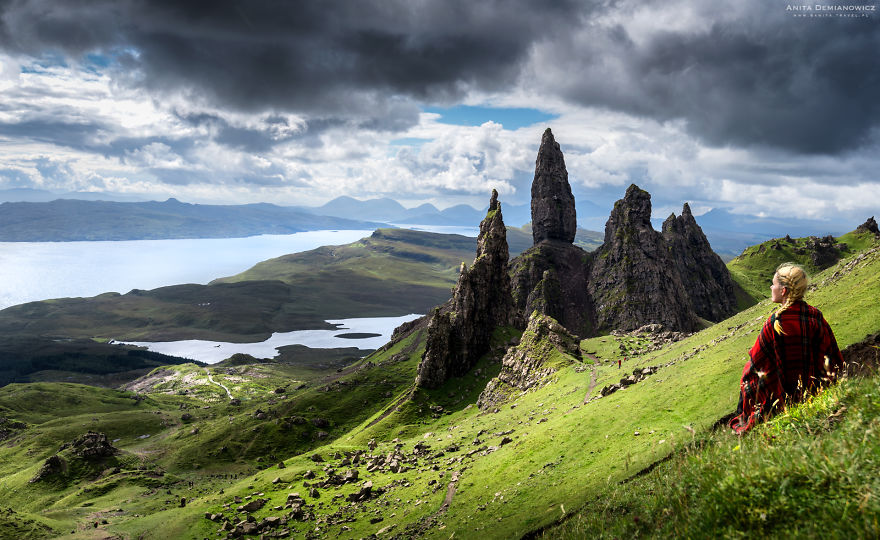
(438, 464)
(67, 220)
(751, 268)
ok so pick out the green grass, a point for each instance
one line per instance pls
(811, 472)
(570, 457)
(753, 269)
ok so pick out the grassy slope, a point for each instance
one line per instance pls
(753, 269)
(564, 453)
(555, 466)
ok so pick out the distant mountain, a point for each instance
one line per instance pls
(69, 220)
(590, 215)
(731, 233)
(42, 195)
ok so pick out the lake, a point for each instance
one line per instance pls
(212, 352)
(32, 271)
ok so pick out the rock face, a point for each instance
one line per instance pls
(551, 278)
(540, 352)
(459, 331)
(705, 276)
(870, 225)
(553, 212)
(635, 279)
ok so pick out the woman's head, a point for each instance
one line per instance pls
(789, 284)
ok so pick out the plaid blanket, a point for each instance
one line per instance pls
(784, 367)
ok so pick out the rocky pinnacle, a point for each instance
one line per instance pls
(553, 212)
(459, 331)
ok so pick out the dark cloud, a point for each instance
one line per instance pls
(758, 78)
(353, 59)
(807, 86)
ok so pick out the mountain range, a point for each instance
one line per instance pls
(90, 216)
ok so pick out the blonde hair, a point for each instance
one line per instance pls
(795, 280)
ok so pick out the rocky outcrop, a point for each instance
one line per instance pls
(544, 348)
(635, 280)
(824, 252)
(53, 466)
(551, 278)
(707, 281)
(553, 211)
(869, 226)
(91, 445)
(459, 331)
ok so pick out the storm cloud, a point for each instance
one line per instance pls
(748, 75)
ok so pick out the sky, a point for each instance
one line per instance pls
(757, 106)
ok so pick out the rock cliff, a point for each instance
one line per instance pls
(551, 278)
(635, 279)
(707, 281)
(553, 212)
(459, 331)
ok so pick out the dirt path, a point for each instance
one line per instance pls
(592, 377)
(228, 393)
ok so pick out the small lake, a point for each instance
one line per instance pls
(212, 352)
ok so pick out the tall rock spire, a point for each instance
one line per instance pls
(709, 284)
(459, 331)
(553, 212)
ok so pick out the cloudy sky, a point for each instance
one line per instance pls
(745, 105)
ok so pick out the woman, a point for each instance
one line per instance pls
(795, 354)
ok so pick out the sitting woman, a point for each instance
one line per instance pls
(795, 354)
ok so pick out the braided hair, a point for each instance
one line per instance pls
(795, 280)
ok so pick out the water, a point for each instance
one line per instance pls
(32, 271)
(212, 352)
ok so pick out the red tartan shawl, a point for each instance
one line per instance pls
(784, 367)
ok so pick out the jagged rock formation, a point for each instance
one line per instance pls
(459, 331)
(824, 252)
(635, 279)
(551, 278)
(708, 282)
(553, 212)
(869, 226)
(529, 363)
